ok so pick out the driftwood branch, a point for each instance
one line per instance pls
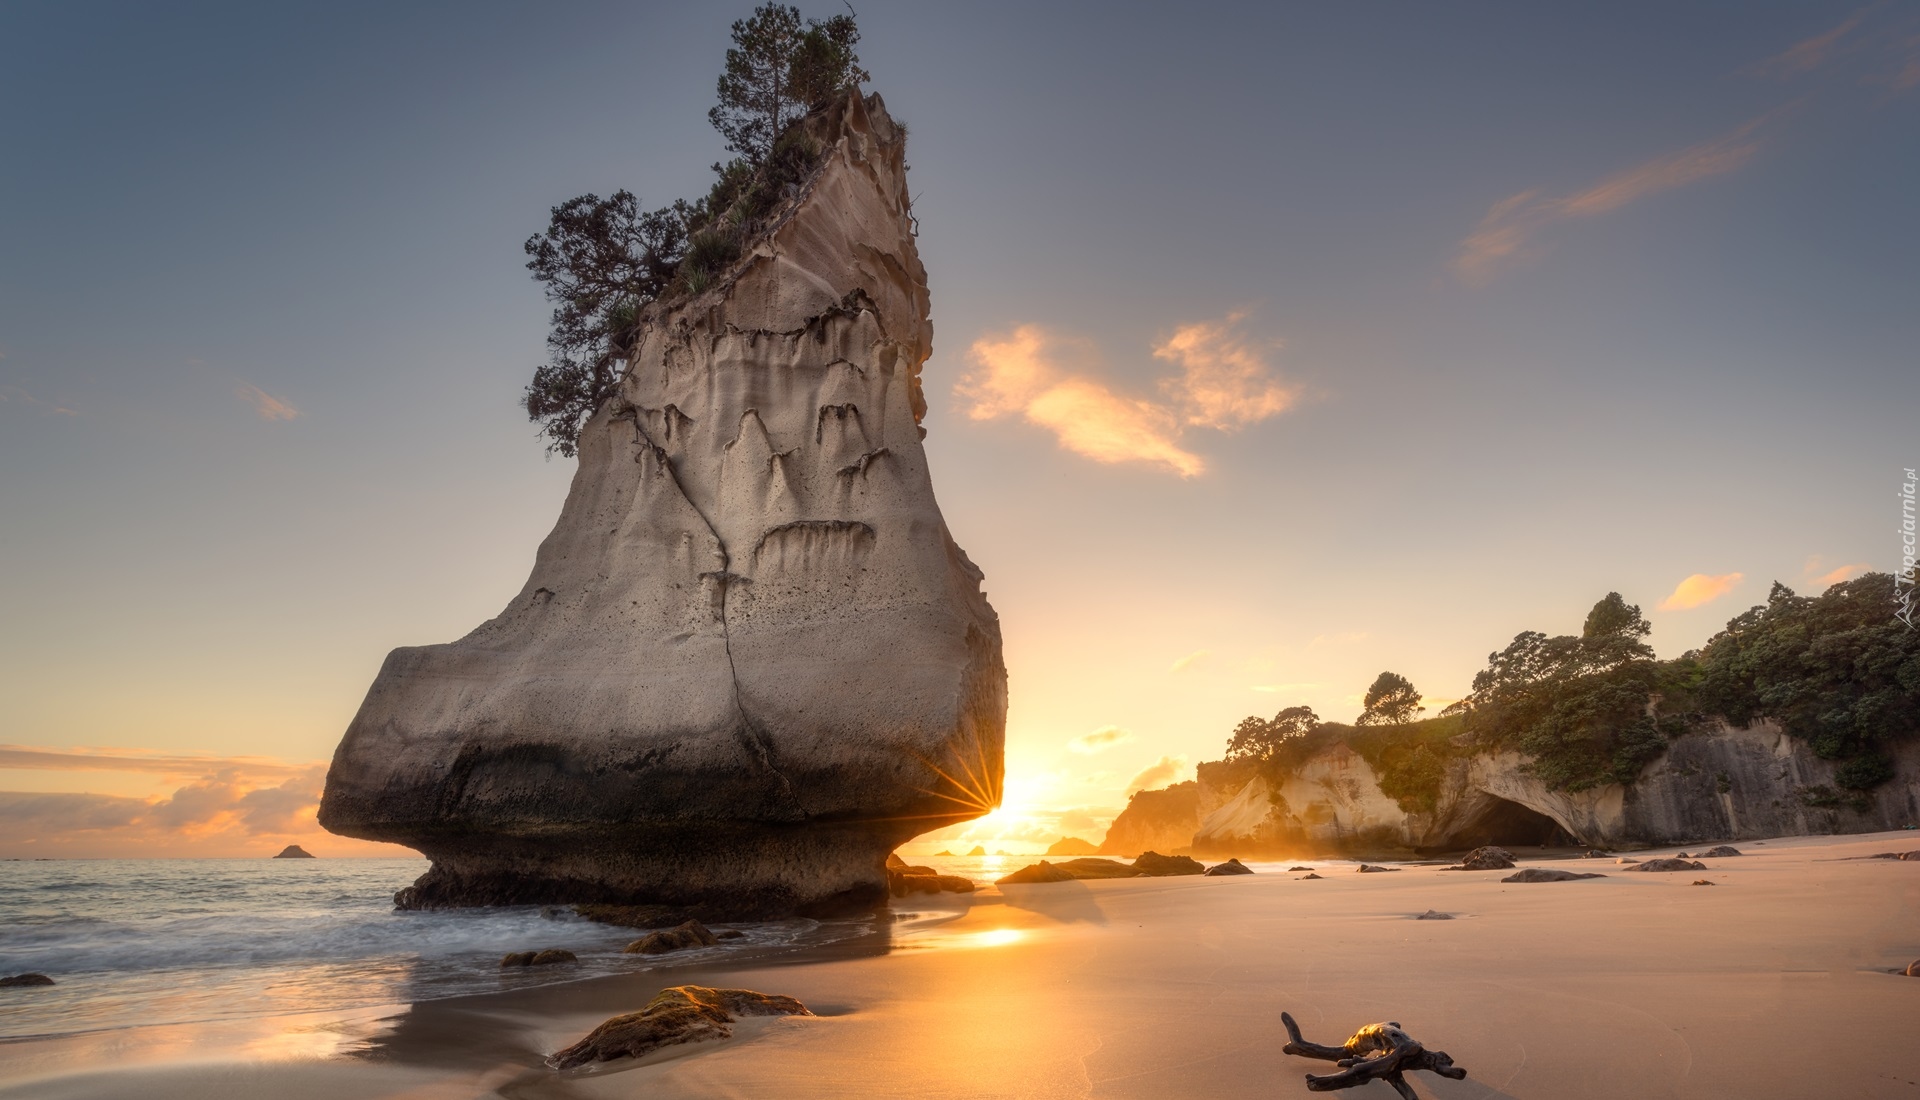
(1377, 1052)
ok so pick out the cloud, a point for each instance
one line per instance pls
(1100, 740)
(15, 393)
(1810, 53)
(1160, 773)
(120, 760)
(1699, 589)
(1817, 572)
(1506, 234)
(268, 406)
(1184, 663)
(1223, 384)
(232, 806)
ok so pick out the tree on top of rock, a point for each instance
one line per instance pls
(1391, 701)
(776, 71)
(1265, 744)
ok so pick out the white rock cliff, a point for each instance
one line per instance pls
(750, 660)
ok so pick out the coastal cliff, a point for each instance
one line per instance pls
(1720, 782)
(750, 660)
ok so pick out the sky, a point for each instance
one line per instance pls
(1275, 346)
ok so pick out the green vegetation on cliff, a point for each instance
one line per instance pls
(603, 260)
(1838, 671)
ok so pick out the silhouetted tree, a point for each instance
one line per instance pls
(1266, 743)
(1390, 701)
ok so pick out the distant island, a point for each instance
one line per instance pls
(294, 851)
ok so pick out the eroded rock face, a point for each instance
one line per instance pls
(750, 660)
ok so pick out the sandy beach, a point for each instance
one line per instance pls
(1775, 982)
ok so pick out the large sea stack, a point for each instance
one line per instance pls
(750, 661)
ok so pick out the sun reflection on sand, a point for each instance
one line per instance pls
(997, 937)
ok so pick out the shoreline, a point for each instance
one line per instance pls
(1632, 984)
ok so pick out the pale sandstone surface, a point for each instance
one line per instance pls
(750, 660)
(1166, 989)
(1722, 783)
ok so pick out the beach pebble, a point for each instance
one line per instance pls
(688, 934)
(26, 980)
(1548, 874)
(1487, 858)
(1624, 862)
(1722, 852)
(1434, 914)
(1230, 867)
(1594, 853)
(1913, 969)
(1702, 882)
(1307, 876)
(1674, 864)
(729, 934)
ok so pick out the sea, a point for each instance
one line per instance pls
(169, 941)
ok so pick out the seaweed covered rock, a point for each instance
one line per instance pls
(690, 934)
(680, 1014)
(1230, 867)
(1035, 873)
(1157, 865)
(1670, 865)
(1487, 858)
(750, 660)
(548, 957)
(1550, 874)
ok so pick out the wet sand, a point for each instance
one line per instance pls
(1773, 983)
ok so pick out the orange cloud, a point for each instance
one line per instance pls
(1810, 53)
(1506, 234)
(1699, 589)
(234, 807)
(1818, 574)
(1100, 740)
(1184, 663)
(1020, 375)
(1160, 773)
(268, 406)
(1223, 382)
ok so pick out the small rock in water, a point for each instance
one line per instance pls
(1299, 868)
(1702, 882)
(1434, 914)
(1153, 863)
(1230, 867)
(687, 934)
(1369, 869)
(1035, 873)
(1674, 864)
(729, 934)
(26, 980)
(1487, 858)
(1307, 876)
(1549, 874)
(904, 880)
(294, 851)
(1722, 852)
(680, 1014)
(548, 957)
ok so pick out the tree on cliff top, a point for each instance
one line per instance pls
(1266, 744)
(603, 260)
(1391, 701)
(776, 71)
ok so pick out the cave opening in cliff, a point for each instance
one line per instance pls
(1496, 820)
